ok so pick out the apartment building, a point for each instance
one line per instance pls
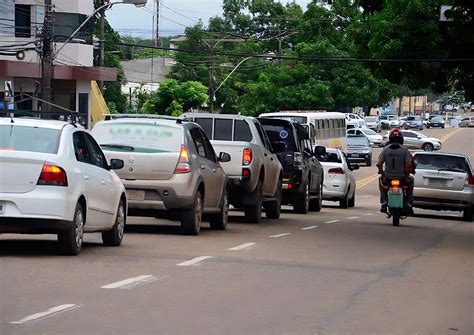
(21, 23)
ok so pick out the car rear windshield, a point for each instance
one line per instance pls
(442, 163)
(221, 129)
(33, 139)
(283, 135)
(138, 137)
(357, 140)
(370, 119)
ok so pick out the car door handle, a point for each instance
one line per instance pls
(86, 177)
(103, 182)
(214, 170)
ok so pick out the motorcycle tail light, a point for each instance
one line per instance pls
(395, 182)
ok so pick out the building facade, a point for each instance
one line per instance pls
(21, 25)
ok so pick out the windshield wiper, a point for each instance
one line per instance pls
(118, 146)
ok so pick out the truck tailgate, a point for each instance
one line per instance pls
(234, 149)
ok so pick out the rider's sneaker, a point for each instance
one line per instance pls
(383, 208)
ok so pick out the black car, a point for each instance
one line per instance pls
(302, 172)
(435, 121)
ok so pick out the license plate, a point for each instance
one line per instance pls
(355, 155)
(136, 195)
(437, 182)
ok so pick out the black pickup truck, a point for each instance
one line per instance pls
(302, 172)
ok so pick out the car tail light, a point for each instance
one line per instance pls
(6, 148)
(290, 186)
(52, 175)
(247, 156)
(297, 158)
(184, 164)
(470, 178)
(245, 172)
(336, 170)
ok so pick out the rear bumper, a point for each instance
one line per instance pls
(358, 157)
(48, 203)
(32, 225)
(443, 199)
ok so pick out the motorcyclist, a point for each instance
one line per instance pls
(399, 163)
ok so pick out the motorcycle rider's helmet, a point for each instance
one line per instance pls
(395, 136)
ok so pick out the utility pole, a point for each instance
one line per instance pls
(157, 29)
(102, 42)
(46, 56)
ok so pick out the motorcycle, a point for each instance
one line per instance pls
(396, 208)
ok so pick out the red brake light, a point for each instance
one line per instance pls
(470, 178)
(395, 182)
(183, 165)
(247, 156)
(52, 175)
(245, 172)
(336, 170)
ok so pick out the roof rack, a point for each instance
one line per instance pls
(108, 117)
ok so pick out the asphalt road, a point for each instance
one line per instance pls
(340, 271)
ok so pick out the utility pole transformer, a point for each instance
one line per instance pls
(46, 56)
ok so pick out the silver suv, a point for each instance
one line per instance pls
(171, 169)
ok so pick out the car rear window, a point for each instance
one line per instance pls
(206, 125)
(138, 137)
(281, 134)
(442, 162)
(32, 139)
(242, 131)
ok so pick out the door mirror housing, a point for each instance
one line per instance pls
(224, 157)
(116, 164)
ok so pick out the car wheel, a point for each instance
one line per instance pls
(467, 214)
(352, 201)
(442, 126)
(70, 241)
(273, 208)
(253, 214)
(114, 236)
(344, 202)
(368, 162)
(301, 203)
(317, 204)
(428, 147)
(192, 217)
(219, 221)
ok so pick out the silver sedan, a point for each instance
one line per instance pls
(417, 140)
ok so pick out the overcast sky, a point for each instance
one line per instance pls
(175, 16)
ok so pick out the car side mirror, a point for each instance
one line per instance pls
(307, 151)
(224, 157)
(116, 164)
(320, 151)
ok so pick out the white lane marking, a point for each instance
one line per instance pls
(50, 312)
(131, 282)
(308, 228)
(279, 235)
(242, 246)
(353, 217)
(366, 196)
(332, 221)
(368, 214)
(194, 261)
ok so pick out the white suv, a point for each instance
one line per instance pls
(55, 179)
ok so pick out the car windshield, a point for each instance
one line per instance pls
(370, 119)
(357, 140)
(369, 132)
(442, 162)
(281, 135)
(139, 137)
(33, 139)
(436, 118)
(383, 117)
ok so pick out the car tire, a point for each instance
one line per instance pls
(442, 126)
(352, 201)
(301, 203)
(70, 241)
(219, 221)
(114, 236)
(344, 202)
(192, 217)
(316, 204)
(253, 214)
(273, 208)
(428, 147)
(467, 214)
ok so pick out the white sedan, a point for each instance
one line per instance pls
(374, 138)
(339, 182)
(55, 179)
